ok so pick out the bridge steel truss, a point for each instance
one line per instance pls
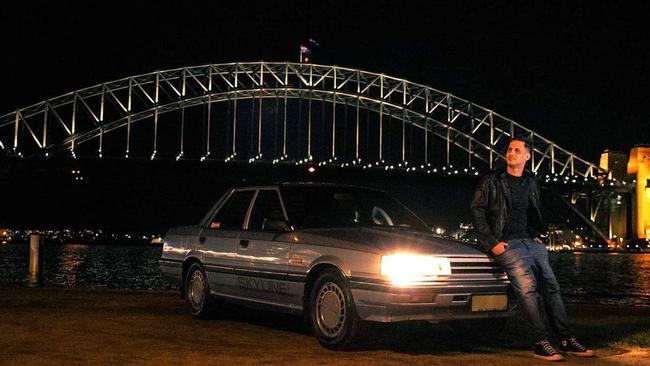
(420, 115)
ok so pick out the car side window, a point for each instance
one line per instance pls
(232, 214)
(267, 207)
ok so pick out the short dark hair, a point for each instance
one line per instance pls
(522, 139)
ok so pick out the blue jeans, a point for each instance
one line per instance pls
(526, 264)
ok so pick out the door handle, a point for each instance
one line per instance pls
(243, 243)
(201, 239)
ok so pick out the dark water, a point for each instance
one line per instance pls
(622, 279)
(603, 278)
(90, 266)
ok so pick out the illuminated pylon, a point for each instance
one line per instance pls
(639, 164)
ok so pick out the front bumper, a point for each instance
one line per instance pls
(384, 303)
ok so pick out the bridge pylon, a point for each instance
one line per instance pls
(639, 164)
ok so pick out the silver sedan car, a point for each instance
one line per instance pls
(340, 255)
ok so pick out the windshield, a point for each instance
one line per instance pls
(331, 207)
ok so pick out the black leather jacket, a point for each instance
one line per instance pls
(490, 207)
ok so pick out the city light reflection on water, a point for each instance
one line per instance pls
(604, 278)
(615, 278)
(88, 266)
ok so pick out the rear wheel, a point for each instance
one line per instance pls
(197, 292)
(333, 315)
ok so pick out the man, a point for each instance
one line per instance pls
(507, 217)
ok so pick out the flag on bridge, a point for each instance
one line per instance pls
(304, 54)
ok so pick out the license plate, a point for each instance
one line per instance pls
(489, 302)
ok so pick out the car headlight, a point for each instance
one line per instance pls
(404, 269)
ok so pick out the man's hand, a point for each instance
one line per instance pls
(500, 248)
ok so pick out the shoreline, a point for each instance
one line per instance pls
(145, 243)
(71, 326)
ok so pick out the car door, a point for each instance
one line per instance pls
(263, 252)
(220, 238)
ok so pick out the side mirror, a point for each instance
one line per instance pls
(275, 225)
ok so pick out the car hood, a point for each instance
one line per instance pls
(387, 240)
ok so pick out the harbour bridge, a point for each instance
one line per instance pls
(288, 113)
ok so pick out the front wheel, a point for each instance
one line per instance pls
(197, 292)
(333, 316)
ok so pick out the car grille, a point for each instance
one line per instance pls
(468, 268)
(474, 265)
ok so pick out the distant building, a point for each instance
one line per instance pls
(562, 238)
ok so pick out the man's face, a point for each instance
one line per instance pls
(517, 154)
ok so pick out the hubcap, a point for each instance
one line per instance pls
(330, 309)
(196, 289)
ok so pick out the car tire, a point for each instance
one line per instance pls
(197, 292)
(332, 313)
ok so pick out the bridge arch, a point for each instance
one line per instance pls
(269, 112)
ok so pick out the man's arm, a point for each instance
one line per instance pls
(479, 208)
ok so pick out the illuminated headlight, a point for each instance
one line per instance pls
(404, 269)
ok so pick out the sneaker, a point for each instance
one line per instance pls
(544, 351)
(573, 347)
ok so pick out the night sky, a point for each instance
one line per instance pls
(575, 74)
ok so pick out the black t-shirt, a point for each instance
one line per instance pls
(517, 225)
